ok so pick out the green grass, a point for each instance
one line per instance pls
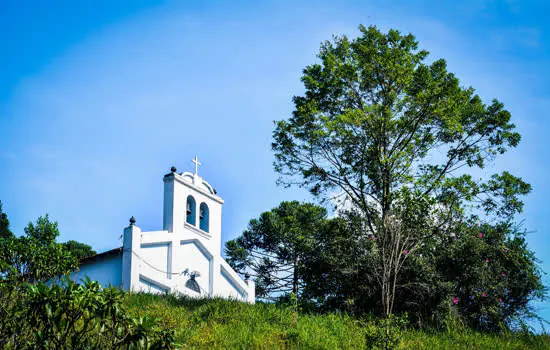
(222, 324)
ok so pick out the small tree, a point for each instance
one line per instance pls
(36, 255)
(5, 232)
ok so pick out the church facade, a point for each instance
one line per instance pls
(183, 258)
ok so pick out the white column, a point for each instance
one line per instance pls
(168, 211)
(131, 243)
(251, 291)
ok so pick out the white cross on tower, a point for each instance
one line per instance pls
(197, 163)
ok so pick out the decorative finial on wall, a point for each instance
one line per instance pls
(246, 276)
(173, 169)
(132, 221)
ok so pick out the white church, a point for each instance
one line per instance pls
(183, 258)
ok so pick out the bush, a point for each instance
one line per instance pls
(69, 315)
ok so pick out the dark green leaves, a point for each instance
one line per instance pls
(276, 246)
(69, 315)
(79, 250)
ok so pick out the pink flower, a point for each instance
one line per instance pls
(503, 274)
(405, 252)
(486, 259)
(500, 299)
(371, 237)
(455, 300)
(506, 250)
(480, 235)
(483, 294)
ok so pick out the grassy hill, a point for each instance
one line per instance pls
(220, 324)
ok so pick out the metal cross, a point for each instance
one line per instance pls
(197, 163)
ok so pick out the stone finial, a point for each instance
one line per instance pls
(173, 169)
(132, 221)
(246, 276)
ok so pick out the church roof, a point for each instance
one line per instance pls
(112, 252)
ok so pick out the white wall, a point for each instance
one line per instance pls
(228, 287)
(157, 257)
(107, 271)
(192, 257)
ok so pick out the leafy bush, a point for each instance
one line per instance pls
(69, 315)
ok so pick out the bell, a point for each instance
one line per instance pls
(201, 216)
(188, 209)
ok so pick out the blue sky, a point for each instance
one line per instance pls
(98, 100)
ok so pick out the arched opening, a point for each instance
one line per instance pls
(204, 217)
(191, 211)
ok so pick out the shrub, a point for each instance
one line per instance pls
(71, 315)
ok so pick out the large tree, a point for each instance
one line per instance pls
(396, 136)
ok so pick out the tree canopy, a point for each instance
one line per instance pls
(392, 135)
(374, 114)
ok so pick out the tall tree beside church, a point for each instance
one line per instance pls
(276, 246)
(381, 127)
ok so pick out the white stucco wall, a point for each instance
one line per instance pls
(192, 257)
(107, 271)
(229, 287)
(155, 257)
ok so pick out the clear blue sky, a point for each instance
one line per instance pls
(99, 98)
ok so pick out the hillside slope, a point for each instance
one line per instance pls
(222, 324)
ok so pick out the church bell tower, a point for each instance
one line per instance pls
(192, 207)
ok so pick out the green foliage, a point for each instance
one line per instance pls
(385, 333)
(395, 135)
(275, 247)
(336, 276)
(36, 256)
(372, 116)
(5, 232)
(61, 314)
(494, 276)
(71, 315)
(79, 250)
